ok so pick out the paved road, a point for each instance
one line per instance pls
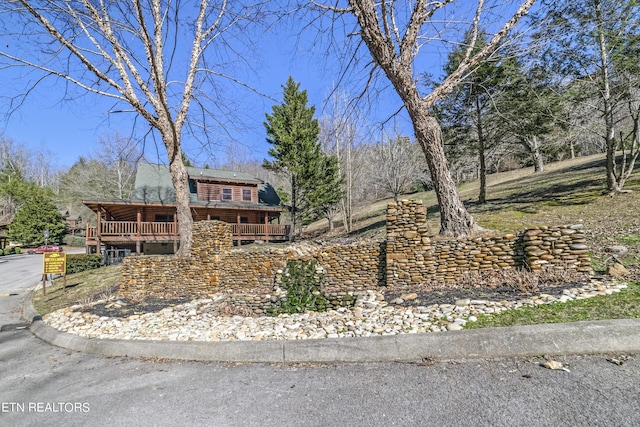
(44, 385)
(126, 391)
(17, 274)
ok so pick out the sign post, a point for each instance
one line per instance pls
(44, 274)
(54, 263)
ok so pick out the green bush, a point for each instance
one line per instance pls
(81, 262)
(8, 251)
(302, 281)
(17, 249)
(75, 241)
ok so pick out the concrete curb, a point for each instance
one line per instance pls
(604, 336)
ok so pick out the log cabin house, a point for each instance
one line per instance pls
(147, 222)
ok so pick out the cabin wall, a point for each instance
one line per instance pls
(214, 192)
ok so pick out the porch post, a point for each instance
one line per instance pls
(99, 230)
(175, 232)
(238, 227)
(139, 230)
(266, 226)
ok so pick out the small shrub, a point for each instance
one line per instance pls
(75, 241)
(81, 262)
(521, 281)
(301, 280)
(8, 251)
(17, 250)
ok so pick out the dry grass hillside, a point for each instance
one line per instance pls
(567, 192)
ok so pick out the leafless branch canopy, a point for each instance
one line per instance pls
(153, 55)
(397, 32)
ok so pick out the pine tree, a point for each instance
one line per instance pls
(469, 114)
(37, 214)
(293, 133)
(329, 191)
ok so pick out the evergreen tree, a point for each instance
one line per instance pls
(469, 114)
(36, 214)
(501, 101)
(293, 133)
(328, 191)
(530, 109)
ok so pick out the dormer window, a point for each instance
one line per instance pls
(227, 194)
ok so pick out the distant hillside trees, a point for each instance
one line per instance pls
(399, 165)
(341, 135)
(313, 178)
(595, 46)
(108, 174)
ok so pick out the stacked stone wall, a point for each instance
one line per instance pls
(556, 247)
(353, 267)
(413, 257)
(409, 256)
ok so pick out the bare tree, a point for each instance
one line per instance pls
(630, 143)
(14, 157)
(341, 135)
(120, 155)
(395, 33)
(398, 165)
(148, 55)
(14, 160)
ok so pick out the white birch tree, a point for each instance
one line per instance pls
(155, 58)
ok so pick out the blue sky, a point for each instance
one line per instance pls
(68, 129)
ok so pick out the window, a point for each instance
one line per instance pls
(246, 195)
(163, 218)
(227, 194)
(244, 220)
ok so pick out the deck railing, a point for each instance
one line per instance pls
(260, 230)
(149, 230)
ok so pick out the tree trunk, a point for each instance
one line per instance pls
(455, 220)
(533, 146)
(612, 181)
(482, 196)
(294, 195)
(179, 178)
(572, 149)
(538, 161)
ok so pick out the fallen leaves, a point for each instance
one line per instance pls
(554, 365)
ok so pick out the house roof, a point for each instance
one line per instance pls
(153, 186)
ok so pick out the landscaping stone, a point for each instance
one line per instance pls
(369, 316)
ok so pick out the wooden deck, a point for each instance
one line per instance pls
(132, 231)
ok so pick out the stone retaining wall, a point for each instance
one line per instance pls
(407, 257)
(413, 257)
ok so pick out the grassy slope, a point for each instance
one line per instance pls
(567, 192)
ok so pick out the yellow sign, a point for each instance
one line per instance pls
(55, 263)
